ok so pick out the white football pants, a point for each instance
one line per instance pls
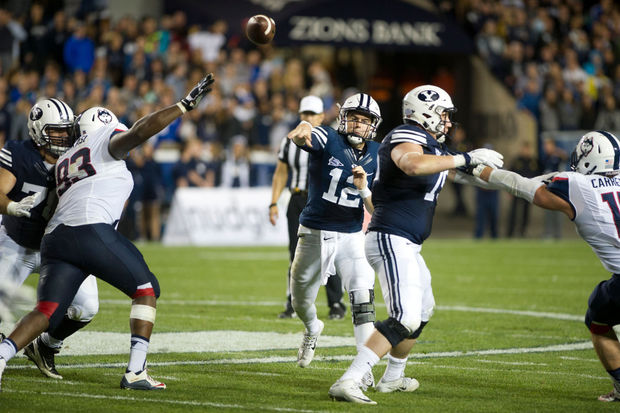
(17, 263)
(404, 277)
(323, 253)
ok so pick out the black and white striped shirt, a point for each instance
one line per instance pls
(297, 161)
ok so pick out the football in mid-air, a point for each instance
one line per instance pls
(260, 29)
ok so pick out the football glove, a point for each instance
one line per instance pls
(23, 207)
(199, 91)
(484, 156)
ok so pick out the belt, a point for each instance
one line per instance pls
(299, 191)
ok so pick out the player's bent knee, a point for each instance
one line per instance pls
(143, 312)
(412, 323)
(362, 306)
(393, 330)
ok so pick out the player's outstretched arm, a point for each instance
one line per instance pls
(532, 190)
(149, 125)
(302, 134)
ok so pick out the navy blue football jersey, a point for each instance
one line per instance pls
(405, 205)
(23, 160)
(333, 201)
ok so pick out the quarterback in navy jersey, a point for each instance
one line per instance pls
(413, 167)
(330, 232)
(590, 197)
(27, 201)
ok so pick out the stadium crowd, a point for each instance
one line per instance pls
(560, 58)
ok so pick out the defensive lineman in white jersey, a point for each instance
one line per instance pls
(590, 196)
(92, 186)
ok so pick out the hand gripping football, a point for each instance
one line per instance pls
(260, 29)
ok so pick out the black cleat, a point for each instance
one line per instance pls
(288, 313)
(43, 357)
(337, 311)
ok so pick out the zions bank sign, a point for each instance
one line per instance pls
(365, 32)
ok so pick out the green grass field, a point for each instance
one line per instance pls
(506, 336)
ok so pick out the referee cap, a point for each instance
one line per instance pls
(312, 104)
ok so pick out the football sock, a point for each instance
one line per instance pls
(313, 326)
(137, 354)
(50, 341)
(7, 349)
(395, 368)
(362, 332)
(363, 363)
(615, 375)
(67, 327)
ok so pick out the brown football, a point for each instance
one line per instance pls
(260, 29)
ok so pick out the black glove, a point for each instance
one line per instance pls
(199, 91)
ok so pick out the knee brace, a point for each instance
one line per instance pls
(417, 333)
(362, 306)
(143, 312)
(393, 330)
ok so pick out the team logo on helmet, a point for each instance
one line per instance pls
(586, 146)
(428, 96)
(36, 113)
(104, 116)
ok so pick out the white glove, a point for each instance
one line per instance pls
(23, 207)
(487, 157)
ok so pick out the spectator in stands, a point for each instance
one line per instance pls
(551, 160)
(569, 111)
(79, 50)
(191, 170)
(549, 116)
(609, 115)
(236, 166)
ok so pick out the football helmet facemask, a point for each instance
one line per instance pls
(364, 104)
(92, 119)
(50, 124)
(425, 106)
(597, 152)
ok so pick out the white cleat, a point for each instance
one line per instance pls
(140, 381)
(367, 381)
(348, 391)
(307, 347)
(404, 384)
(2, 366)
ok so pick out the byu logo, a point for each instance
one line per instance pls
(104, 116)
(36, 113)
(586, 146)
(428, 96)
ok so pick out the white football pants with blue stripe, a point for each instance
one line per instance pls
(319, 252)
(404, 277)
(17, 263)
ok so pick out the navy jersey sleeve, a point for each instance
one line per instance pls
(6, 157)
(319, 140)
(559, 187)
(410, 134)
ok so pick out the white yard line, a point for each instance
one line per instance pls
(162, 401)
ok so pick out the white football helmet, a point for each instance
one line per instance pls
(424, 105)
(362, 103)
(92, 119)
(51, 114)
(596, 152)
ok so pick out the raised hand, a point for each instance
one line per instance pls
(199, 91)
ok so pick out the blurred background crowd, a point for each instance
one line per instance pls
(559, 58)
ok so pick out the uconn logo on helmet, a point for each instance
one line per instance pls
(586, 146)
(104, 116)
(428, 96)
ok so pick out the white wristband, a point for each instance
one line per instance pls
(305, 122)
(11, 208)
(459, 160)
(365, 193)
(180, 105)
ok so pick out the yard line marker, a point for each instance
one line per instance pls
(159, 401)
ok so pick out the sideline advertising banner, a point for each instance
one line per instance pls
(225, 217)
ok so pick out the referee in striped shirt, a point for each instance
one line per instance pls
(295, 160)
